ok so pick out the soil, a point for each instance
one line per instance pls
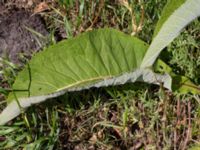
(15, 38)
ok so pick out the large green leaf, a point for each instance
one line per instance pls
(98, 58)
(88, 58)
(175, 16)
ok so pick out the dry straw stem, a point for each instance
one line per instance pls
(139, 28)
(135, 28)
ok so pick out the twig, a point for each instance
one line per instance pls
(177, 122)
(139, 28)
(175, 138)
(30, 79)
(77, 7)
(188, 132)
(101, 5)
(158, 136)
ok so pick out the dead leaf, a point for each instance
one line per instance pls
(41, 7)
(93, 139)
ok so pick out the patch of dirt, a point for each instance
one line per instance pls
(16, 36)
(25, 4)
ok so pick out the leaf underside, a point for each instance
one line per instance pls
(175, 16)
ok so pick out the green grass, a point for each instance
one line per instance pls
(107, 118)
(186, 56)
(137, 116)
